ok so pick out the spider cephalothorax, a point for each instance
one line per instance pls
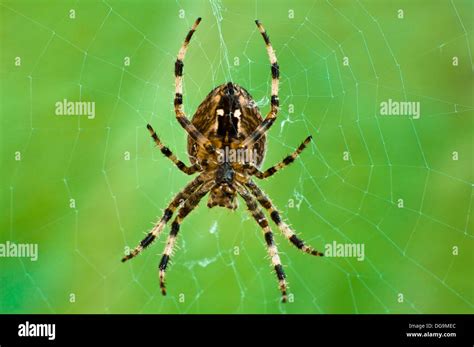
(226, 145)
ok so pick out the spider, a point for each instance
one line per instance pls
(227, 121)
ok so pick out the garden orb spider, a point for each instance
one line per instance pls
(228, 120)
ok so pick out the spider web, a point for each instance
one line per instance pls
(220, 264)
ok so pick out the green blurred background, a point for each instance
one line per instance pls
(221, 264)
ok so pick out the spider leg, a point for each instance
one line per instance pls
(188, 206)
(271, 116)
(178, 98)
(258, 215)
(285, 162)
(275, 215)
(189, 170)
(167, 214)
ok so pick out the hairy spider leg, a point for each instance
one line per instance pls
(178, 98)
(189, 170)
(252, 170)
(275, 215)
(167, 214)
(188, 206)
(275, 104)
(272, 249)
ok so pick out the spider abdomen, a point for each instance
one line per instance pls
(226, 117)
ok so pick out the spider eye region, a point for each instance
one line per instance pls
(223, 194)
